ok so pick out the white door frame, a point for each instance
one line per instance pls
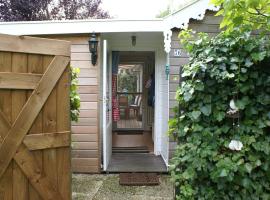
(161, 117)
(106, 107)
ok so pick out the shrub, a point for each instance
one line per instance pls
(74, 96)
(224, 103)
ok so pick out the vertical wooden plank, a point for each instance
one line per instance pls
(49, 125)
(19, 97)
(35, 66)
(6, 185)
(63, 124)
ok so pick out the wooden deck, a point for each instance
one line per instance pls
(129, 123)
(136, 162)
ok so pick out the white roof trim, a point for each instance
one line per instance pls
(196, 10)
(179, 19)
(80, 26)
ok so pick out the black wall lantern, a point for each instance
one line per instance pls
(93, 44)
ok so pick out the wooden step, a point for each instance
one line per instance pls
(129, 132)
(142, 149)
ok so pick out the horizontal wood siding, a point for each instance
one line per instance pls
(85, 133)
(210, 25)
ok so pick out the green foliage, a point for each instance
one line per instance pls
(228, 66)
(127, 81)
(74, 95)
(254, 14)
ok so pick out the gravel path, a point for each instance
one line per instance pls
(106, 187)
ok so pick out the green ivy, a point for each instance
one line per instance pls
(227, 67)
(254, 14)
(74, 95)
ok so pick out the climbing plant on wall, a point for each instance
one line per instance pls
(74, 95)
(224, 120)
(244, 13)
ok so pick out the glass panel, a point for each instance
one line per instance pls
(129, 95)
(129, 78)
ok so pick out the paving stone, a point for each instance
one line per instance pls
(106, 187)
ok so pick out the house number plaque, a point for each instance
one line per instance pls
(177, 53)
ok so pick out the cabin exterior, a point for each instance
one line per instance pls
(137, 47)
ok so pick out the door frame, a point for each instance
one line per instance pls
(144, 102)
(106, 106)
(161, 113)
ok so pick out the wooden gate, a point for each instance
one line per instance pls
(34, 119)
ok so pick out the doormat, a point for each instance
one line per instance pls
(138, 179)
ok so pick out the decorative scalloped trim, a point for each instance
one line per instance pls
(196, 11)
(181, 19)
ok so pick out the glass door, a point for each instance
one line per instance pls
(130, 96)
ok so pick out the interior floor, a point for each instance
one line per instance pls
(130, 122)
(136, 162)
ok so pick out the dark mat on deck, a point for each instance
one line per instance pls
(136, 162)
(142, 149)
(138, 179)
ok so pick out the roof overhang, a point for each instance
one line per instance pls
(80, 26)
(179, 19)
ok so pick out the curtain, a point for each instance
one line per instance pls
(115, 62)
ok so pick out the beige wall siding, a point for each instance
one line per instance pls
(210, 25)
(85, 133)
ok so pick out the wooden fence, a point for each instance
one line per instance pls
(34, 119)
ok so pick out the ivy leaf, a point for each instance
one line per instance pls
(241, 104)
(187, 96)
(248, 62)
(209, 59)
(234, 66)
(207, 51)
(225, 128)
(199, 86)
(258, 56)
(246, 182)
(248, 167)
(206, 110)
(243, 70)
(235, 59)
(195, 114)
(219, 116)
(258, 163)
(223, 173)
(224, 49)
(197, 127)
(186, 73)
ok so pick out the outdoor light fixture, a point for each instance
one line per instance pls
(93, 44)
(133, 40)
